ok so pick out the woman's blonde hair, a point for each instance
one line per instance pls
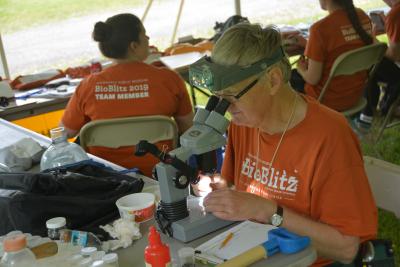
(244, 44)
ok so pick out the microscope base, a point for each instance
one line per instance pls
(193, 227)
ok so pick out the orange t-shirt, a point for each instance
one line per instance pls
(318, 171)
(392, 24)
(127, 90)
(329, 38)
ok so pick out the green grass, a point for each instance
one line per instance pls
(21, 14)
(387, 149)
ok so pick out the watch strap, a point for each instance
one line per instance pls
(279, 210)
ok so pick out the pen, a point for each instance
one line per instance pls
(29, 94)
(226, 240)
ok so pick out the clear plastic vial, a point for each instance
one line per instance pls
(88, 251)
(16, 253)
(61, 152)
(99, 263)
(98, 255)
(54, 226)
(85, 262)
(111, 259)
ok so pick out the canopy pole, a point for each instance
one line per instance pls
(146, 10)
(238, 10)
(177, 22)
(4, 60)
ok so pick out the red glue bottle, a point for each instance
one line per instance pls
(156, 254)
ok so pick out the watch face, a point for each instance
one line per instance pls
(276, 220)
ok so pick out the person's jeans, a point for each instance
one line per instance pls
(386, 72)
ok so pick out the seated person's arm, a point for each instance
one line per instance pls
(70, 133)
(310, 70)
(184, 122)
(393, 51)
(329, 242)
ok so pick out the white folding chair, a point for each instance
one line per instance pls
(385, 124)
(384, 179)
(114, 133)
(351, 62)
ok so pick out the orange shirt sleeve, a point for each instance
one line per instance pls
(392, 24)
(314, 48)
(74, 115)
(342, 198)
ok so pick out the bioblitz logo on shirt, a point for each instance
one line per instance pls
(121, 90)
(273, 179)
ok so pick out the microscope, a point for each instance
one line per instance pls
(174, 174)
(202, 139)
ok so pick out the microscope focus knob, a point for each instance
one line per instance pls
(181, 181)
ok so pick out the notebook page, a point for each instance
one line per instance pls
(246, 235)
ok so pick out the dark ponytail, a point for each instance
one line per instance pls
(351, 12)
(116, 34)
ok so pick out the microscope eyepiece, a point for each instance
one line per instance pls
(212, 102)
(222, 106)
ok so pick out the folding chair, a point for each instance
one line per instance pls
(386, 120)
(351, 62)
(114, 133)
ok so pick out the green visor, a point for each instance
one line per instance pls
(206, 74)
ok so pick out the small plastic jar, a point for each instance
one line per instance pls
(98, 255)
(85, 262)
(111, 259)
(88, 251)
(54, 226)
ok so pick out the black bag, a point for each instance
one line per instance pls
(372, 253)
(221, 27)
(83, 193)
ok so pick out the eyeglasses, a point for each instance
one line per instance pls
(240, 94)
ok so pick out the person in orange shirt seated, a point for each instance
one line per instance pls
(387, 71)
(344, 29)
(289, 161)
(128, 88)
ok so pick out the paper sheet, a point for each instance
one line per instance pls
(246, 236)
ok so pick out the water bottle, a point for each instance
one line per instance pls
(4, 168)
(61, 152)
(80, 238)
(16, 253)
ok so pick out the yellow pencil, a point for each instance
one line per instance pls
(226, 240)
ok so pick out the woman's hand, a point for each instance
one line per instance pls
(209, 183)
(233, 205)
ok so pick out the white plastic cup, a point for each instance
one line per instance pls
(186, 257)
(138, 207)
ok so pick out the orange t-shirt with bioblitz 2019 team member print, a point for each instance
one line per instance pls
(318, 171)
(127, 90)
(329, 38)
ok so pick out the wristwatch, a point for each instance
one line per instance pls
(277, 218)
